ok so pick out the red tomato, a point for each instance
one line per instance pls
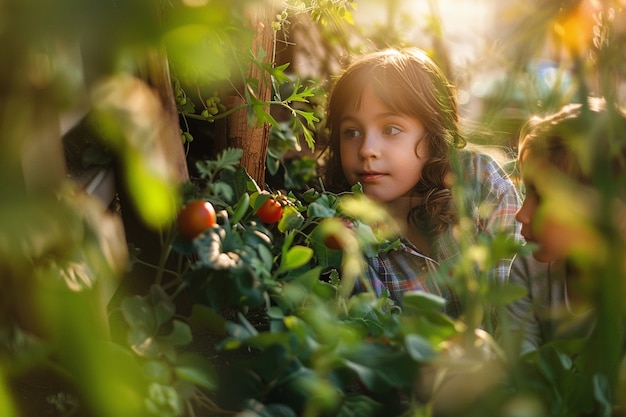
(195, 217)
(270, 211)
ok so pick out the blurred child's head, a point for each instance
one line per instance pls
(569, 160)
(405, 82)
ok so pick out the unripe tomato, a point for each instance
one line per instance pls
(270, 211)
(195, 217)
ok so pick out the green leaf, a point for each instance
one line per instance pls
(152, 189)
(357, 188)
(198, 62)
(278, 77)
(422, 301)
(163, 307)
(308, 278)
(261, 54)
(602, 393)
(287, 242)
(180, 335)
(228, 159)
(142, 342)
(258, 409)
(163, 311)
(240, 181)
(361, 406)
(552, 362)
(157, 371)
(308, 136)
(366, 374)
(240, 332)
(419, 348)
(300, 95)
(265, 256)
(297, 289)
(223, 190)
(309, 116)
(137, 311)
(322, 207)
(265, 340)
(197, 370)
(262, 116)
(381, 367)
(206, 319)
(225, 162)
(241, 208)
(272, 163)
(290, 220)
(295, 257)
(501, 295)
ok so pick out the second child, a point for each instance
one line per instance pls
(559, 217)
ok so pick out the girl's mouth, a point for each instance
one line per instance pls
(370, 176)
(528, 239)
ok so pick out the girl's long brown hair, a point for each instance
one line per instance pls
(408, 82)
(562, 139)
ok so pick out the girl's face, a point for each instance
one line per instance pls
(556, 218)
(546, 234)
(383, 150)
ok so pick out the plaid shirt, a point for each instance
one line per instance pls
(491, 201)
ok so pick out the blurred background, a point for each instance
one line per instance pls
(106, 107)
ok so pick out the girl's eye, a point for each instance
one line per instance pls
(531, 193)
(391, 130)
(350, 133)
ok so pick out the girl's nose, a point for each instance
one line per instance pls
(370, 147)
(524, 213)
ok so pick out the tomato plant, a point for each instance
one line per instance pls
(195, 217)
(270, 211)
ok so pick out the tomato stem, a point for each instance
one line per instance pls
(165, 254)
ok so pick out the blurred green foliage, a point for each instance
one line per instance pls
(272, 326)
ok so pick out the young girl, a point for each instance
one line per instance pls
(393, 124)
(558, 216)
